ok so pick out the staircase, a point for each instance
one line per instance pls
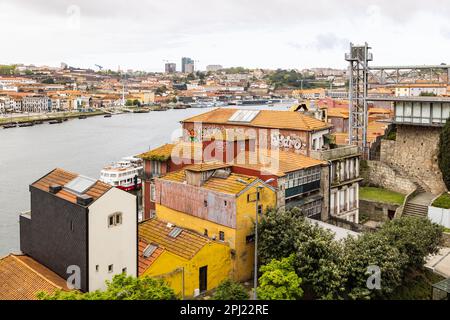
(418, 205)
(415, 210)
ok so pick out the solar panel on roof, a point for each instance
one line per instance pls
(80, 184)
(175, 232)
(243, 116)
(148, 251)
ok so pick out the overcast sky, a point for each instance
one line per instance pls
(140, 34)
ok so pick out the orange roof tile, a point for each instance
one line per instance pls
(264, 119)
(230, 184)
(276, 162)
(22, 277)
(62, 177)
(185, 245)
(144, 262)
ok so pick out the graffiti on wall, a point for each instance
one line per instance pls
(289, 142)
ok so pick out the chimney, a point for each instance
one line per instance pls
(54, 188)
(84, 200)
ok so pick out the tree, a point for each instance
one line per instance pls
(375, 251)
(136, 102)
(129, 103)
(48, 81)
(122, 287)
(444, 153)
(278, 230)
(279, 281)
(414, 237)
(318, 261)
(230, 290)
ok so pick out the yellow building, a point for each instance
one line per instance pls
(190, 263)
(219, 204)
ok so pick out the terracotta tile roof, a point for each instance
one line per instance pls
(21, 278)
(278, 163)
(338, 113)
(62, 177)
(144, 262)
(180, 150)
(230, 185)
(264, 119)
(185, 245)
(206, 166)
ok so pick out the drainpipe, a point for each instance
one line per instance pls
(330, 166)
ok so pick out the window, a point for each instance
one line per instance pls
(221, 236)
(250, 238)
(71, 226)
(225, 203)
(115, 219)
(205, 203)
(152, 193)
(97, 267)
(260, 209)
(110, 268)
(205, 233)
(124, 270)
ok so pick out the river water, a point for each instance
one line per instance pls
(82, 146)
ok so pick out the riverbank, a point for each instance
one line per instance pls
(48, 117)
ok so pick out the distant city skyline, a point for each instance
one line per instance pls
(286, 34)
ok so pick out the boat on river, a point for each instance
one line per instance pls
(124, 174)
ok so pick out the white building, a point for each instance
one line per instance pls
(82, 227)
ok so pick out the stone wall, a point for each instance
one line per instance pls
(377, 211)
(378, 174)
(415, 152)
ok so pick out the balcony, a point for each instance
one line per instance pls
(337, 153)
(304, 188)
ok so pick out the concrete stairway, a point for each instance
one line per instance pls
(418, 206)
(415, 210)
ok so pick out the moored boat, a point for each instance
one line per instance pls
(124, 174)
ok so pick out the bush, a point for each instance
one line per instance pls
(279, 281)
(444, 153)
(371, 249)
(121, 287)
(442, 202)
(230, 290)
(414, 237)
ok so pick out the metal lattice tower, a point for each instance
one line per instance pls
(359, 58)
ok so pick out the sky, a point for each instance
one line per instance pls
(141, 34)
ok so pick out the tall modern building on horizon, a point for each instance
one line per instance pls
(187, 65)
(171, 67)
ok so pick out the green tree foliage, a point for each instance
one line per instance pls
(160, 90)
(339, 269)
(7, 69)
(289, 78)
(318, 259)
(129, 102)
(279, 281)
(235, 70)
(122, 287)
(136, 102)
(414, 237)
(444, 153)
(48, 81)
(371, 249)
(278, 230)
(230, 290)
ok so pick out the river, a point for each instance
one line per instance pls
(82, 146)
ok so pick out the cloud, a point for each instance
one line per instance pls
(141, 33)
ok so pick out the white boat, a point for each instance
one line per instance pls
(124, 174)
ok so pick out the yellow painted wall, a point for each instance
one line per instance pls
(214, 255)
(236, 238)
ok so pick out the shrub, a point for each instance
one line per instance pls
(230, 290)
(279, 281)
